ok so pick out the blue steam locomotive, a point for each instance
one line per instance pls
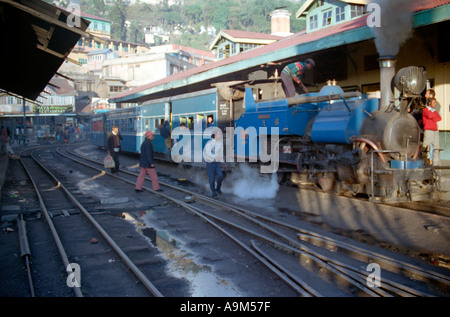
(343, 142)
(347, 142)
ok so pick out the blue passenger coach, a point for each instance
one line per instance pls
(129, 121)
(197, 111)
(191, 109)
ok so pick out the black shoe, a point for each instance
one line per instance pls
(214, 196)
(219, 192)
(138, 190)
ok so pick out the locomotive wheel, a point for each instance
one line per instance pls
(328, 182)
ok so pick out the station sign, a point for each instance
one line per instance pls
(53, 109)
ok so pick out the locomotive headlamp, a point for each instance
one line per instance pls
(411, 81)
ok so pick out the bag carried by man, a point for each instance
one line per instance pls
(109, 162)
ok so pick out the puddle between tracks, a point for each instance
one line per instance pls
(204, 283)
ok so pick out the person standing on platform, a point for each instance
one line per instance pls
(213, 155)
(147, 164)
(294, 72)
(430, 130)
(429, 94)
(113, 147)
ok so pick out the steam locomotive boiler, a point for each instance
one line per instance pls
(347, 142)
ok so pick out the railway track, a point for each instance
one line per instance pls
(324, 272)
(82, 241)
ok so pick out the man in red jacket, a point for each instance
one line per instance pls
(430, 118)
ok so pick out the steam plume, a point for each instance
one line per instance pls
(396, 19)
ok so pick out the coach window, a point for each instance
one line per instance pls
(209, 120)
(147, 124)
(137, 124)
(200, 121)
(190, 123)
(130, 125)
(183, 120)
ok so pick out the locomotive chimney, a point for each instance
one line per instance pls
(280, 22)
(387, 74)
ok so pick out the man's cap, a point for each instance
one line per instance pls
(310, 61)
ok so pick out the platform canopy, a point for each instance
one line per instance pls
(36, 39)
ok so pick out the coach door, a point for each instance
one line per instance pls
(168, 116)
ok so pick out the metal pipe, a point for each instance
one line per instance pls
(313, 99)
(387, 74)
(25, 252)
(373, 145)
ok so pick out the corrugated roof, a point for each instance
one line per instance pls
(244, 37)
(100, 51)
(93, 17)
(251, 35)
(297, 44)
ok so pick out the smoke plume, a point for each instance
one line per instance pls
(396, 20)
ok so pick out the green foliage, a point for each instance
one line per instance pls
(117, 15)
(247, 15)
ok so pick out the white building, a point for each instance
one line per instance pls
(162, 61)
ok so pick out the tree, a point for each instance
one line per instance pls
(95, 7)
(136, 33)
(116, 15)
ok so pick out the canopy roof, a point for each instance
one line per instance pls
(36, 40)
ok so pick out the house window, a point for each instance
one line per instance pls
(313, 22)
(326, 18)
(356, 10)
(340, 14)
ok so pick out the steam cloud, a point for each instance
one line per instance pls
(248, 183)
(396, 19)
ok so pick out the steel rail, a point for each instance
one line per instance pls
(141, 276)
(401, 265)
(53, 230)
(298, 285)
(250, 215)
(295, 283)
(297, 249)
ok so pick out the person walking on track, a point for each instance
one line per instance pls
(147, 164)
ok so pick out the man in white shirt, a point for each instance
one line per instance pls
(213, 155)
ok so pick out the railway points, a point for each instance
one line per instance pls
(377, 230)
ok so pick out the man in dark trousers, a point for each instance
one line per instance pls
(113, 147)
(213, 155)
(294, 72)
(147, 164)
